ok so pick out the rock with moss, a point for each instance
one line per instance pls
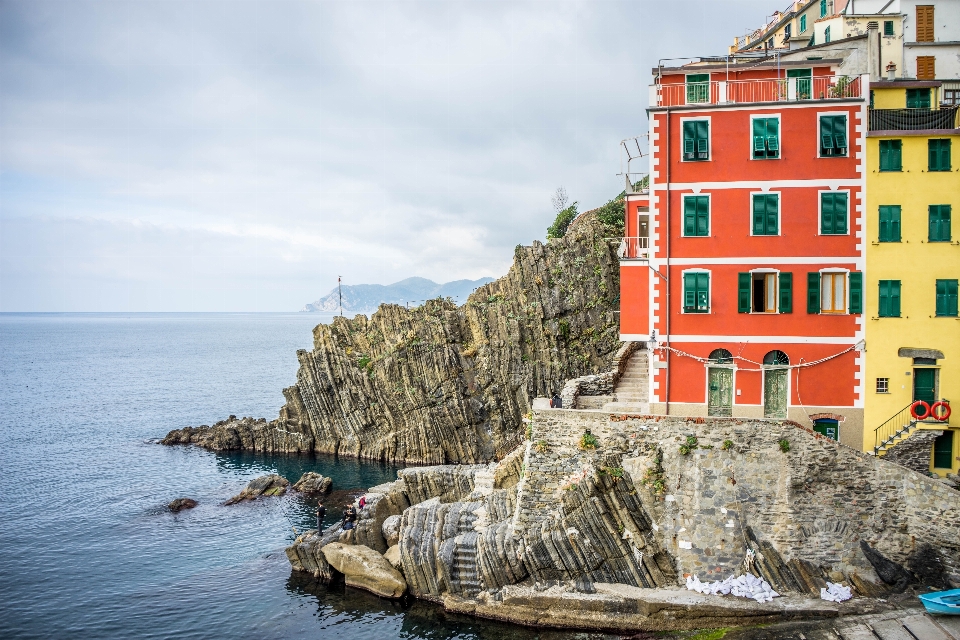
(270, 485)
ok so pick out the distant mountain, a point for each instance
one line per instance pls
(365, 298)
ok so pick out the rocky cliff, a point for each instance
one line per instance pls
(440, 383)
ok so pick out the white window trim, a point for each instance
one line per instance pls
(709, 120)
(846, 291)
(776, 298)
(846, 115)
(779, 195)
(779, 134)
(683, 203)
(709, 311)
(686, 83)
(820, 213)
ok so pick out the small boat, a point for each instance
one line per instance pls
(944, 602)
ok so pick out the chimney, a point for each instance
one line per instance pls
(891, 71)
(873, 50)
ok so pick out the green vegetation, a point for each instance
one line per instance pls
(727, 445)
(709, 634)
(784, 445)
(588, 441)
(614, 472)
(541, 446)
(563, 328)
(654, 476)
(611, 214)
(559, 227)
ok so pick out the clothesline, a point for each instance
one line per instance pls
(762, 367)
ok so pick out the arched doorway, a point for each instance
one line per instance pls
(720, 384)
(775, 368)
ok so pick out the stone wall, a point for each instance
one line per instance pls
(913, 452)
(814, 502)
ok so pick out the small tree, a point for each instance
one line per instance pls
(564, 217)
(559, 199)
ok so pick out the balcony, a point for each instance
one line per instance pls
(942, 119)
(754, 91)
(634, 248)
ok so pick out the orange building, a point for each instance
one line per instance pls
(743, 267)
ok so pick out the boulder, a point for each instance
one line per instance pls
(391, 531)
(313, 483)
(364, 568)
(182, 503)
(271, 485)
(393, 557)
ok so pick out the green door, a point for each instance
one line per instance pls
(827, 427)
(804, 82)
(775, 393)
(943, 451)
(925, 385)
(720, 398)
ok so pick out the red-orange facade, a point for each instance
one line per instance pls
(748, 285)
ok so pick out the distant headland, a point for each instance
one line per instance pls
(365, 298)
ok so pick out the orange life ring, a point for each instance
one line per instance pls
(946, 411)
(926, 410)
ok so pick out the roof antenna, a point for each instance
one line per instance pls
(340, 293)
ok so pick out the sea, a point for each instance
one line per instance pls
(88, 548)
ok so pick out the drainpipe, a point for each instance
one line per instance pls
(666, 397)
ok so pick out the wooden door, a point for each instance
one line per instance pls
(925, 385)
(720, 392)
(775, 393)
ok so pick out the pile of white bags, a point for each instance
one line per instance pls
(745, 586)
(835, 592)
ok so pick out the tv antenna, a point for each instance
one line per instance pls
(340, 293)
(633, 151)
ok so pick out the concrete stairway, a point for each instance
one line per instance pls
(912, 626)
(632, 390)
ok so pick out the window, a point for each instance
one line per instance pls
(696, 145)
(696, 292)
(803, 82)
(833, 213)
(943, 451)
(823, 8)
(833, 135)
(786, 32)
(889, 223)
(765, 292)
(939, 223)
(803, 23)
(947, 298)
(696, 216)
(721, 356)
(924, 22)
(766, 214)
(826, 292)
(826, 35)
(883, 385)
(918, 98)
(891, 157)
(766, 138)
(888, 28)
(951, 96)
(926, 67)
(889, 299)
(698, 88)
(938, 154)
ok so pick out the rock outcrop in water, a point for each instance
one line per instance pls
(313, 483)
(444, 384)
(269, 485)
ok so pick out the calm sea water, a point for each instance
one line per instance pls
(88, 549)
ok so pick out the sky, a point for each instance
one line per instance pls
(192, 155)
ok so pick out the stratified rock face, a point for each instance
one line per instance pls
(313, 483)
(271, 485)
(391, 531)
(443, 384)
(364, 568)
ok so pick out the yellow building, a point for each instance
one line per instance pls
(913, 266)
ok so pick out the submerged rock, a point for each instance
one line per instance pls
(182, 503)
(364, 568)
(313, 483)
(270, 485)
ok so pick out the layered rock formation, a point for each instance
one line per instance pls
(445, 384)
(313, 483)
(269, 485)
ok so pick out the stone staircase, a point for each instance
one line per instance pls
(632, 391)
(912, 626)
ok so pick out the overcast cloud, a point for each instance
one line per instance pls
(237, 156)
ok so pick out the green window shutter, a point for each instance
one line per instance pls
(840, 212)
(703, 289)
(786, 292)
(803, 23)
(689, 140)
(826, 213)
(698, 87)
(840, 134)
(939, 223)
(889, 223)
(889, 299)
(947, 298)
(759, 213)
(895, 297)
(743, 293)
(833, 213)
(888, 27)
(826, 35)
(826, 135)
(689, 216)
(766, 138)
(703, 151)
(918, 98)
(773, 223)
(703, 216)
(938, 155)
(891, 155)
(823, 8)
(689, 292)
(773, 137)
(813, 292)
(856, 292)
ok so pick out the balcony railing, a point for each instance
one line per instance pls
(634, 248)
(914, 119)
(744, 91)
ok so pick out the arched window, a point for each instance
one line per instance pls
(776, 358)
(721, 356)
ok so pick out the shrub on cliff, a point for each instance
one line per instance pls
(611, 214)
(564, 217)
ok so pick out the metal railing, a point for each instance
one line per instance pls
(752, 91)
(900, 424)
(637, 248)
(944, 118)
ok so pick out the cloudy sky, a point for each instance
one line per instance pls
(190, 155)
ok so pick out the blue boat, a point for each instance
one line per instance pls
(943, 602)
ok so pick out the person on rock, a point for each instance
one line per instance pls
(363, 502)
(321, 514)
(556, 402)
(349, 518)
